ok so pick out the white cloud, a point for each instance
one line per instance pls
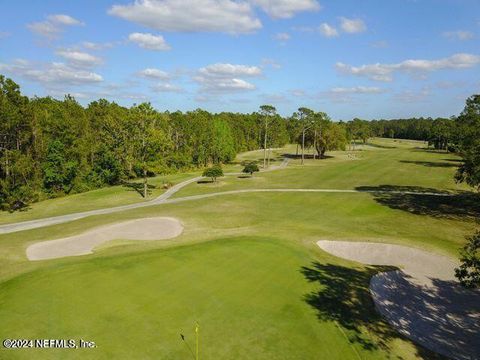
(458, 35)
(154, 74)
(298, 92)
(190, 15)
(79, 58)
(412, 96)
(350, 95)
(45, 28)
(53, 26)
(384, 72)
(270, 62)
(352, 26)
(166, 87)
(97, 46)
(304, 29)
(4, 34)
(275, 98)
(357, 90)
(282, 38)
(218, 78)
(281, 9)
(62, 19)
(327, 30)
(149, 41)
(51, 74)
(227, 70)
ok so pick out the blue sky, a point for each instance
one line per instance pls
(368, 59)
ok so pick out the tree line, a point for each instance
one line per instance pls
(439, 133)
(52, 147)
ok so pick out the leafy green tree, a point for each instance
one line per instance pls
(468, 140)
(305, 117)
(16, 166)
(213, 172)
(250, 168)
(222, 146)
(332, 137)
(324, 135)
(58, 172)
(359, 130)
(441, 133)
(150, 141)
(468, 273)
(107, 168)
(391, 133)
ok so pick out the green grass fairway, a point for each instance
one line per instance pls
(382, 162)
(246, 267)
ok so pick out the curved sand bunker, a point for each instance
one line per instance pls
(158, 228)
(422, 301)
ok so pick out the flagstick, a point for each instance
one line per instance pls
(197, 328)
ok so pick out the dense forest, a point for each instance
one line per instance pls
(50, 147)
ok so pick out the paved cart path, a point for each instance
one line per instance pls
(166, 198)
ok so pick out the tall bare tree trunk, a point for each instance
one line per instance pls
(7, 165)
(265, 146)
(145, 182)
(144, 150)
(303, 145)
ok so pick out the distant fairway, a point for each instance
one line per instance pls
(246, 266)
(382, 162)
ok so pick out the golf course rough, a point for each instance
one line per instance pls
(155, 228)
(423, 301)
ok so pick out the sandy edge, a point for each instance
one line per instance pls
(153, 228)
(430, 308)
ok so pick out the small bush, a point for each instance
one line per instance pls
(213, 172)
(250, 168)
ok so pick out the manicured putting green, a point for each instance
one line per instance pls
(249, 296)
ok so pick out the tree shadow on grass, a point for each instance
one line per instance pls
(138, 187)
(381, 146)
(430, 150)
(343, 296)
(256, 161)
(442, 316)
(420, 201)
(454, 160)
(306, 156)
(430, 163)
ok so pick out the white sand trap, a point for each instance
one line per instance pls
(422, 266)
(423, 301)
(157, 228)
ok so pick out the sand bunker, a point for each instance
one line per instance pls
(423, 301)
(422, 266)
(158, 228)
